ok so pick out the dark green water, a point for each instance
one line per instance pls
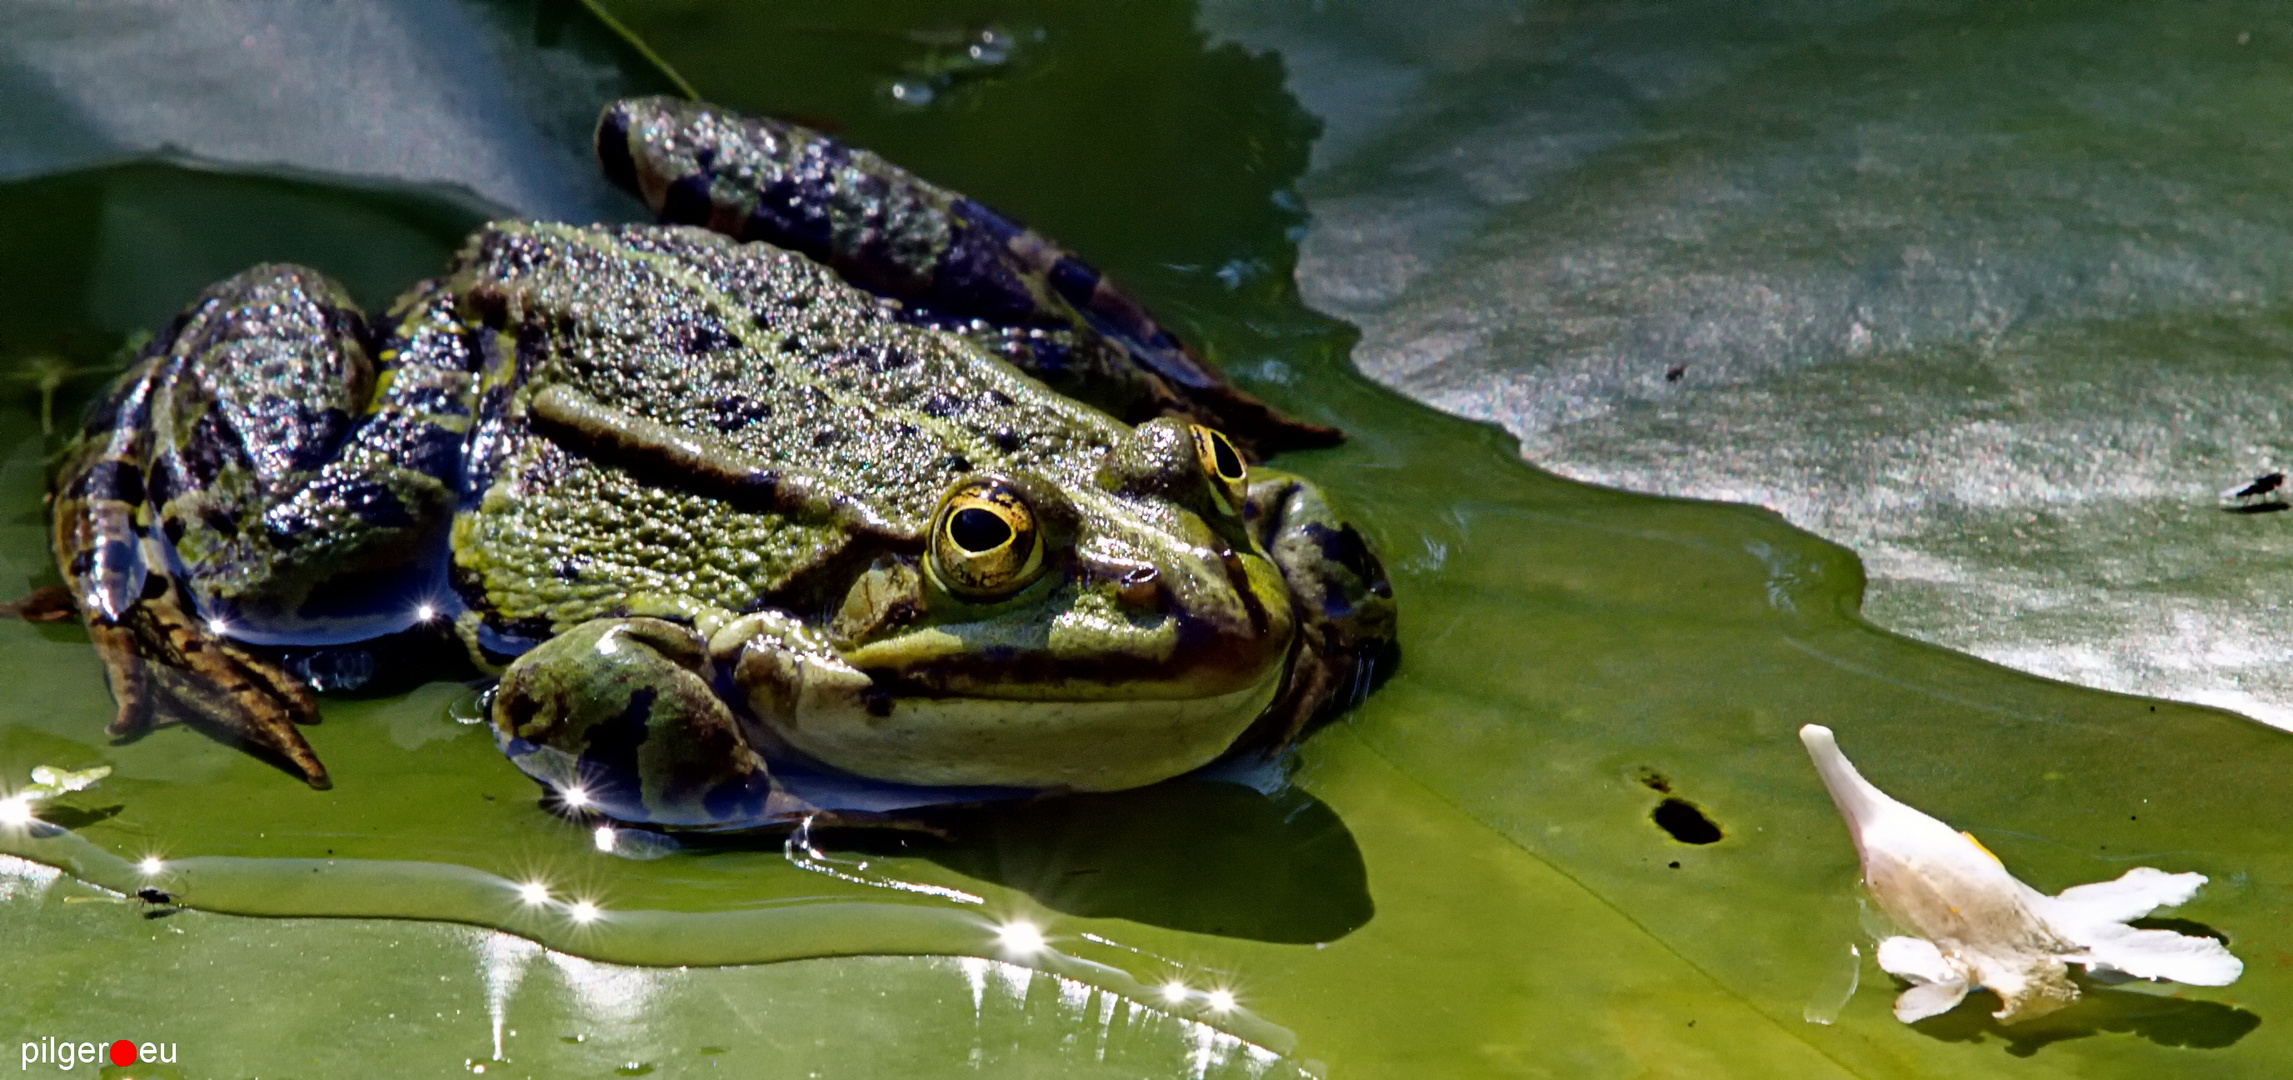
(1464, 877)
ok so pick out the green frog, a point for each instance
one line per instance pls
(834, 483)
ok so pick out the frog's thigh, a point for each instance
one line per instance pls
(1343, 603)
(252, 386)
(630, 703)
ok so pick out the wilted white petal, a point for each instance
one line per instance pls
(2131, 895)
(1916, 959)
(1937, 984)
(1923, 1000)
(2159, 954)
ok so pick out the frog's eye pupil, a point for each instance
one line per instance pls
(1229, 463)
(976, 530)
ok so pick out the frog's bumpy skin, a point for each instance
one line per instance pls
(954, 263)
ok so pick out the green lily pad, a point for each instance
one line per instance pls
(1469, 875)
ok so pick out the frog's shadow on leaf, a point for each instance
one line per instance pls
(1196, 855)
(2168, 1021)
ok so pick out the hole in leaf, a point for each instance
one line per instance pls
(1685, 822)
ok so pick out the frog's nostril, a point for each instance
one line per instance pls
(1141, 588)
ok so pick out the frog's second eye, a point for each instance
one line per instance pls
(985, 543)
(1229, 474)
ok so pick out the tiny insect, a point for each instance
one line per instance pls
(2261, 485)
(1675, 373)
(2264, 492)
(155, 897)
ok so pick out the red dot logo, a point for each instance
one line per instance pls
(123, 1053)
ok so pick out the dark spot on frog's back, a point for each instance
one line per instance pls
(973, 276)
(939, 406)
(787, 216)
(432, 451)
(222, 522)
(708, 336)
(733, 412)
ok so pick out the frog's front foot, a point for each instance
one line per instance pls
(621, 716)
(1340, 596)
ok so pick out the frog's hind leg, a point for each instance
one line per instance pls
(252, 461)
(131, 603)
(952, 262)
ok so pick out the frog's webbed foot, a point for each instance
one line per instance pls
(621, 716)
(1342, 600)
(951, 262)
(159, 651)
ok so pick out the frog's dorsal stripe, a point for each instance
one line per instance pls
(706, 466)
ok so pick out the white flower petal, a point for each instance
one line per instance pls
(2160, 954)
(1928, 999)
(1916, 959)
(1937, 983)
(2134, 894)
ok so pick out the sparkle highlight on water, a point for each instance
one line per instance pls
(1020, 938)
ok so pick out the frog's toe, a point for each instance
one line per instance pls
(261, 705)
(157, 652)
(621, 716)
(1342, 600)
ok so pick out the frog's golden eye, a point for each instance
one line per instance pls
(985, 541)
(1229, 474)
